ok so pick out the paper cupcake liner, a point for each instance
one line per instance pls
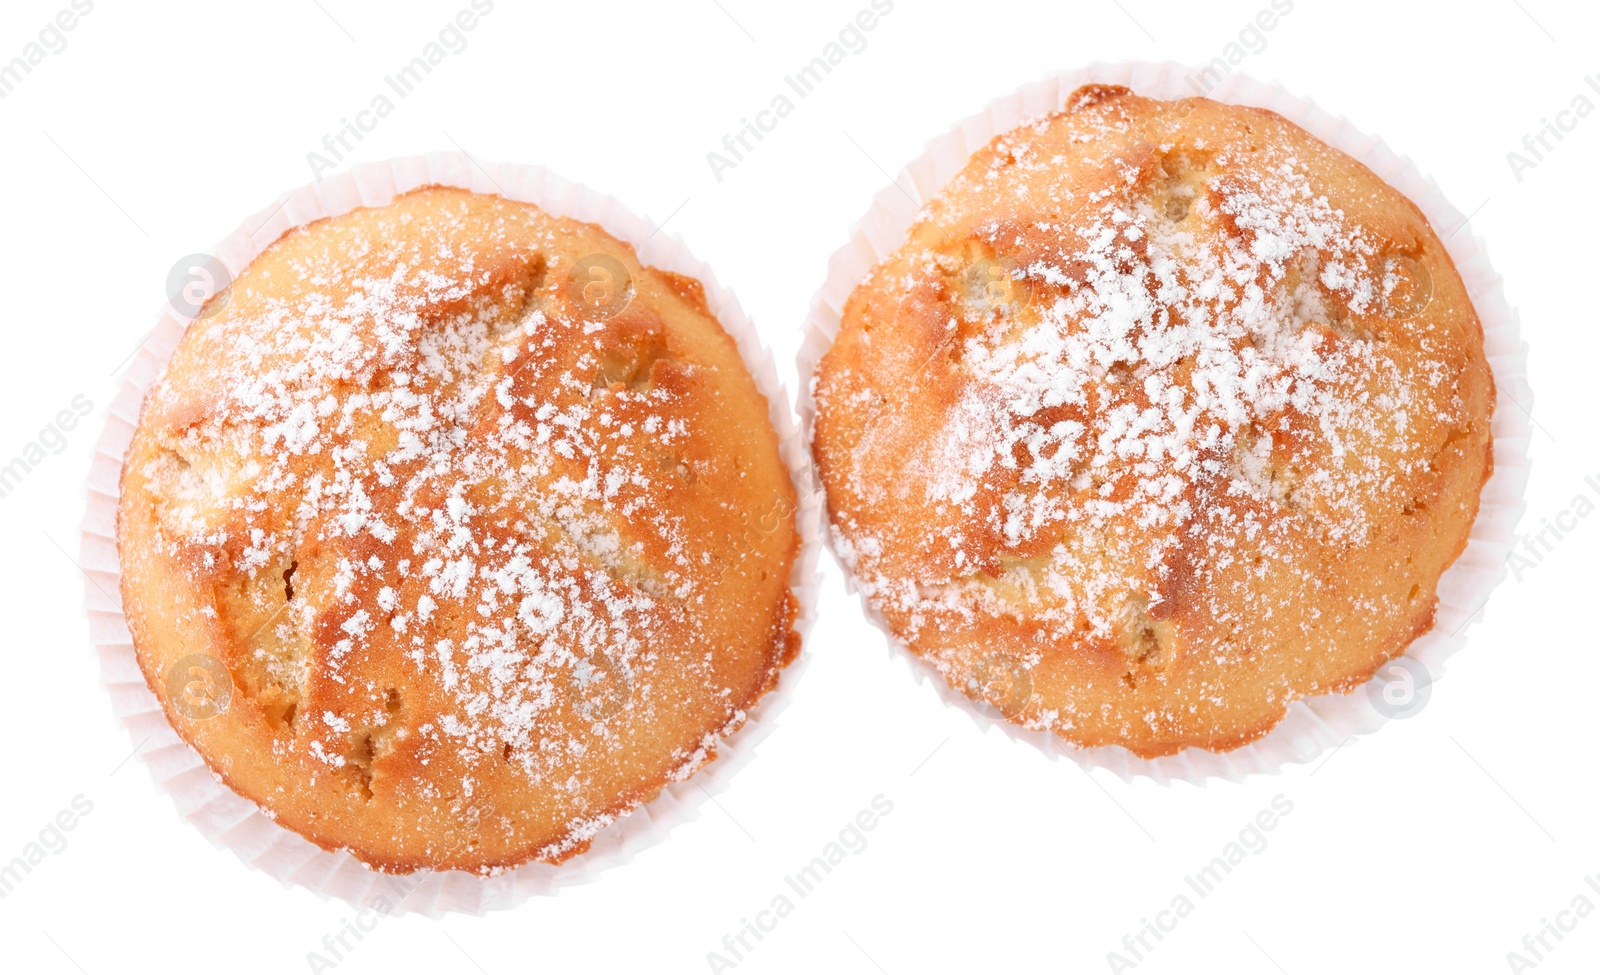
(1313, 725)
(234, 823)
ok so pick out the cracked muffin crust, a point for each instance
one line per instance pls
(454, 533)
(1165, 415)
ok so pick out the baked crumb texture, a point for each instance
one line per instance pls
(1165, 415)
(485, 523)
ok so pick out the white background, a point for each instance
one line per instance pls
(1434, 845)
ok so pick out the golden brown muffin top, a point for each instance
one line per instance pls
(1165, 414)
(454, 533)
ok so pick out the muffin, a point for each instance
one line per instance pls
(1165, 415)
(451, 533)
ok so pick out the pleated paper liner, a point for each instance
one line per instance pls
(1313, 725)
(236, 824)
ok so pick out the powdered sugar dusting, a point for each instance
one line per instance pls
(1120, 392)
(444, 485)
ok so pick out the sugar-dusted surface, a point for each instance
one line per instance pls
(456, 518)
(1165, 416)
